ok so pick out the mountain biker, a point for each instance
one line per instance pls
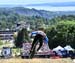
(41, 37)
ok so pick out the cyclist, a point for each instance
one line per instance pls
(41, 37)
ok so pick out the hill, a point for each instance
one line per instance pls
(40, 13)
(34, 12)
(10, 16)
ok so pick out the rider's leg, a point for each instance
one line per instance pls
(41, 42)
(34, 42)
(32, 51)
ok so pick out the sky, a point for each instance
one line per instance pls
(25, 2)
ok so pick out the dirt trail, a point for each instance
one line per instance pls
(35, 60)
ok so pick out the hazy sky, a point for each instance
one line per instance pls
(31, 1)
(25, 2)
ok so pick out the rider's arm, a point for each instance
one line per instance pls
(33, 34)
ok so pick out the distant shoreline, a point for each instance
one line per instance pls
(49, 8)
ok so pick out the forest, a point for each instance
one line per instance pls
(59, 26)
(9, 17)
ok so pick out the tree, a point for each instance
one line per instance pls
(51, 33)
(21, 38)
(62, 34)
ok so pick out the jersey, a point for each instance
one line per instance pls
(33, 34)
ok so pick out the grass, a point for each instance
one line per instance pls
(35, 60)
